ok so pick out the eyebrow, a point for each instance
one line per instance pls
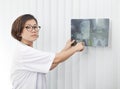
(30, 24)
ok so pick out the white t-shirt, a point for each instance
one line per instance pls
(30, 67)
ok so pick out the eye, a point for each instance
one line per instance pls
(27, 27)
(35, 27)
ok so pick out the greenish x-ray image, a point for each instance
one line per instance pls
(93, 32)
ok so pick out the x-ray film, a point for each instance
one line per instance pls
(93, 32)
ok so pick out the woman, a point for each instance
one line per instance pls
(31, 65)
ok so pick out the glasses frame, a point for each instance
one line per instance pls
(30, 28)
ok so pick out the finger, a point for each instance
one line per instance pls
(83, 43)
(72, 41)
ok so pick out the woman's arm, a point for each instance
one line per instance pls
(66, 53)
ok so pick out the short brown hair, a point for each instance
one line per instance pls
(18, 25)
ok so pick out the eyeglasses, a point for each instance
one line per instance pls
(31, 28)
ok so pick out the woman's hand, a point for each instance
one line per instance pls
(68, 44)
(79, 46)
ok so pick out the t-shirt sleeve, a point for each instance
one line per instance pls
(34, 60)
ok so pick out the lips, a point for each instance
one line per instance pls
(35, 35)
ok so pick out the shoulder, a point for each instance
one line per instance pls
(25, 50)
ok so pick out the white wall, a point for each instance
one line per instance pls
(95, 68)
(9, 11)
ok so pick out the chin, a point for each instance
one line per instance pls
(34, 38)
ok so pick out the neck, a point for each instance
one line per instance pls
(29, 43)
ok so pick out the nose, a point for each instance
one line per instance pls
(34, 31)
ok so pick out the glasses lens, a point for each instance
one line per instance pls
(28, 27)
(31, 28)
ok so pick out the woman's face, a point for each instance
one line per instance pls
(30, 31)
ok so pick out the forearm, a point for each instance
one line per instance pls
(64, 55)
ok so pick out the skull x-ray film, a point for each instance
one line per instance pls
(93, 32)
